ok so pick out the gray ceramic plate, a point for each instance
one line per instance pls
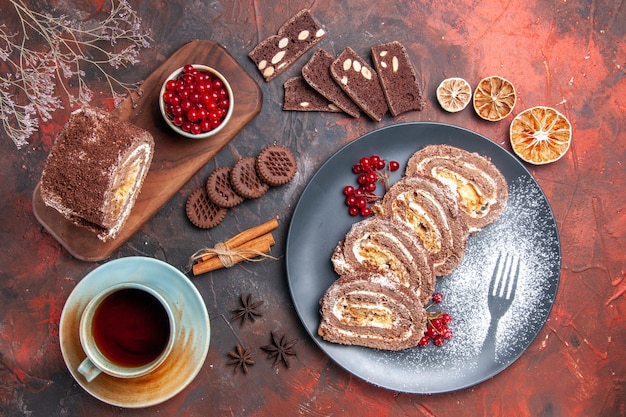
(479, 349)
(188, 353)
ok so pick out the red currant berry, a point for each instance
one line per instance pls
(205, 125)
(356, 169)
(175, 100)
(446, 333)
(214, 115)
(361, 202)
(437, 297)
(437, 324)
(188, 68)
(184, 94)
(359, 192)
(371, 177)
(394, 165)
(186, 105)
(188, 79)
(178, 120)
(438, 341)
(353, 211)
(362, 179)
(446, 318)
(195, 97)
(366, 211)
(193, 115)
(381, 164)
(374, 160)
(430, 331)
(371, 187)
(167, 96)
(351, 201)
(423, 341)
(208, 103)
(200, 87)
(176, 110)
(348, 190)
(186, 126)
(171, 85)
(365, 164)
(196, 129)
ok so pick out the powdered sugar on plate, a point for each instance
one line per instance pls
(525, 231)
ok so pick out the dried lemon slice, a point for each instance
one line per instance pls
(494, 98)
(453, 94)
(540, 135)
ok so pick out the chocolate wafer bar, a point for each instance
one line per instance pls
(300, 96)
(316, 73)
(397, 77)
(360, 82)
(276, 53)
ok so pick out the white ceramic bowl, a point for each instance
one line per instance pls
(168, 119)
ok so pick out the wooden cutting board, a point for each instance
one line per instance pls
(176, 159)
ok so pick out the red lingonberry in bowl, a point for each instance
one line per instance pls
(196, 101)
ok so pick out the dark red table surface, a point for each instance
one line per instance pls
(570, 55)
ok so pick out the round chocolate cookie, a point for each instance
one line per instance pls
(245, 181)
(202, 212)
(220, 190)
(276, 165)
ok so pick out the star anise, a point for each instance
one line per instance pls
(241, 358)
(280, 349)
(248, 309)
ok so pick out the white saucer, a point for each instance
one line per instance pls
(188, 354)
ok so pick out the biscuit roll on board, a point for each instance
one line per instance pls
(95, 170)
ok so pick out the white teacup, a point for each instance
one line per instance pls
(127, 331)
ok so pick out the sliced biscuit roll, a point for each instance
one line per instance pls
(95, 170)
(422, 205)
(377, 244)
(479, 187)
(369, 309)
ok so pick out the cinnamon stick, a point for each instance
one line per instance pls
(247, 235)
(248, 250)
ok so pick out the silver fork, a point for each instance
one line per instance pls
(499, 299)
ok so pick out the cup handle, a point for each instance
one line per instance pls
(88, 370)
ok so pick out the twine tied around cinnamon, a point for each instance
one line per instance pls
(253, 244)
